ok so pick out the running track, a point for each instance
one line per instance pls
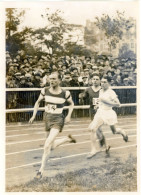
(24, 147)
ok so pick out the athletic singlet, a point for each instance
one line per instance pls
(93, 96)
(54, 103)
(109, 94)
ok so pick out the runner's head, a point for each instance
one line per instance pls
(105, 82)
(96, 80)
(54, 79)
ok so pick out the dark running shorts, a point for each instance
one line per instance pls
(53, 121)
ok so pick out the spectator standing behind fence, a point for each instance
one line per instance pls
(37, 79)
(66, 80)
(74, 82)
(21, 63)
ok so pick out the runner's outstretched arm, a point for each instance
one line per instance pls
(115, 102)
(36, 106)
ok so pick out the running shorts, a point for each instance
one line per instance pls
(109, 117)
(55, 121)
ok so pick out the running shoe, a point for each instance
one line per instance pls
(102, 142)
(72, 139)
(92, 154)
(38, 175)
(125, 138)
(108, 150)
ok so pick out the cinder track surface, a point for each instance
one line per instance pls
(24, 149)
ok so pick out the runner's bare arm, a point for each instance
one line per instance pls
(36, 106)
(114, 102)
(70, 109)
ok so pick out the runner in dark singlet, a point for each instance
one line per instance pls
(92, 93)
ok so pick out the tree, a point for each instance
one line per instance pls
(125, 53)
(90, 36)
(15, 39)
(52, 34)
(74, 48)
(114, 28)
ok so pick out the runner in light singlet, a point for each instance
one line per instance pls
(92, 93)
(105, 114)
(55, 99)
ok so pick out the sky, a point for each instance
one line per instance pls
(77, 12)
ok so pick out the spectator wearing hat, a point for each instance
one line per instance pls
(118, 80)
(112, 83)
(37, 80)
(39, 68)
(134, 77)
(109, 74)
(66, 81)
(25, 61)
(124, 74)
(61, 73)
(64, 67)
(45, 79)
(59, 63)
(54, 68)
(15, 67)
(30, 60)
(101, 71)
(75, 70)
(9, 81)
(11, 70)
(95, 68)
(93, 60)
(89, 65)
(67, 61)
(85, 81)
(74, 82)
(80, 76)
(29, 80)
(53, 61)
(79, 66)
(86, 72)
(22, 82)
(17, 79)
(131, 81)
(126, 82)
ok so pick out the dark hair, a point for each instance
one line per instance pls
(95, 74)
(107, 78)
(56, 72)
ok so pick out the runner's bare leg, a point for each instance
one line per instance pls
(47, 147)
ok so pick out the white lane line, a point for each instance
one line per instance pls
(66, 130)
(109, 132)
(71, 156)
(42, 132)
(33, 129)
(76, 121)
(19, 135)
(38, 128)
(64, 145)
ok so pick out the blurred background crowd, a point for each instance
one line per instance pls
(23, 71)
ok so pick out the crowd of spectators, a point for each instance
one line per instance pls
(23, 71)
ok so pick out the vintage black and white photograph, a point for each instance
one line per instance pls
(71, 70)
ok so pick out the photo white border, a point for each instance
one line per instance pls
(27, 4)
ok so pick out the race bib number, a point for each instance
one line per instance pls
(51, 108)
(95, 101)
